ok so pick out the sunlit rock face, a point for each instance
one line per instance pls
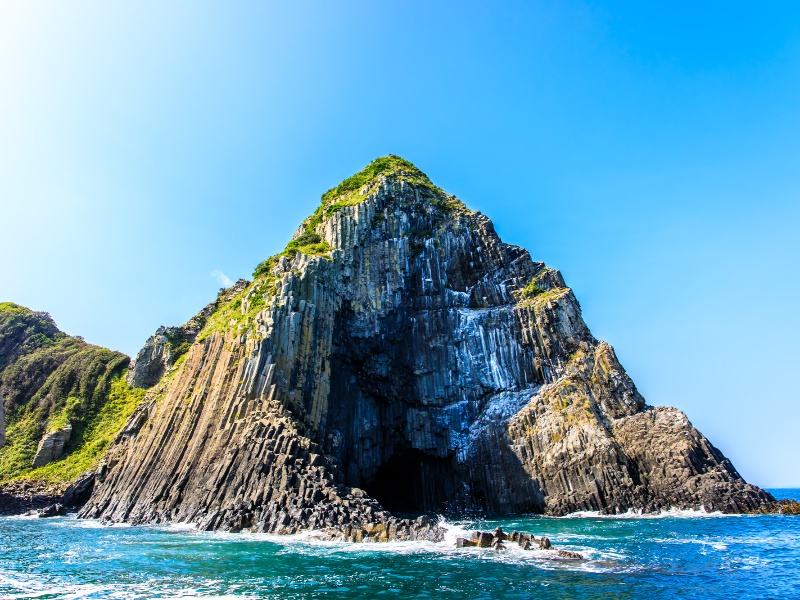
(402, 358)
(52, 445)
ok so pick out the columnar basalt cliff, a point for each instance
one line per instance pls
(398, 356)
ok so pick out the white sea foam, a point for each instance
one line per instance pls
(673, 513)
(32, 517)
(309, 542)
(74, 521)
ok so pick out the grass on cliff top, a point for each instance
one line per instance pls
(540, 297)
(390, 165)
(237, 312)
(242, 308)
(347, 194)
(87, 444)
(14, 309)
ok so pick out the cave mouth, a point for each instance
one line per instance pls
(413, 482)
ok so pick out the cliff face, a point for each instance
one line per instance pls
(400, 356)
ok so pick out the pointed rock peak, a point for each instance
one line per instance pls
(309, 240)
(387, 166)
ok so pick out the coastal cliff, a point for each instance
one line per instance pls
(398, 356)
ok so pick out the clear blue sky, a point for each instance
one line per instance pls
(651, 153)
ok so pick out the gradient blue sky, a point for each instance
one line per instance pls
(651, 153)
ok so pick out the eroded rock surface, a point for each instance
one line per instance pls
(499, 539)
(52, 445)
(168, 344)
(419, 359)
(53, 510)
(79, 491)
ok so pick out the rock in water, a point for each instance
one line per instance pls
(54, 510)
(399, 347)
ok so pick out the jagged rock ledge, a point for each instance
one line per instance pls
(22, 496)
(498, 538)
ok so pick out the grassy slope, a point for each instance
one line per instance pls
(96, 435)
(49, 378)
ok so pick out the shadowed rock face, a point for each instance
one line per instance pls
(420, 365)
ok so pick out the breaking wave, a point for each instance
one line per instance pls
(64, 557)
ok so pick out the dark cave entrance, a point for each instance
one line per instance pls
(413, 482)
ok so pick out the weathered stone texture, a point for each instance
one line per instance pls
(424, 362)
(52, 445)
(164, 347)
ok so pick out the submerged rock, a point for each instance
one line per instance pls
(400, 357)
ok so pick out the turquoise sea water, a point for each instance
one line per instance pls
(675, 555)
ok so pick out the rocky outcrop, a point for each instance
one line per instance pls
(51, 446)
(498, 539)
(79, 491)
(400, 357)
(152, 361)
(22, 496)
(168, 344)
(53, 510)
(788, 507)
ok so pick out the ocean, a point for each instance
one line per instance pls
(678, 554)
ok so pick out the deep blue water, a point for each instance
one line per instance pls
(679, 555)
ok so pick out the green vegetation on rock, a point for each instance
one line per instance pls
(540, 299)
(50, 379)
(389, 166)
(237, 313)
(531, 290)
(539, 291)
(352, 191)
(93, 437)
(178, 342)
